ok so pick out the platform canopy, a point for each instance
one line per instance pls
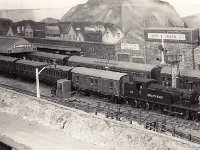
(15, 45)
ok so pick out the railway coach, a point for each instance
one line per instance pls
(48, 57)
(101, 82)
(133, 69)
(6, 65)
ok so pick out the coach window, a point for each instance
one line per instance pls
(95, 81)
(77, 78)
(111, 85)
(91, 80)
(163, 78)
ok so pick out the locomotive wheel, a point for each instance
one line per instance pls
(146, 106)
(134, 103)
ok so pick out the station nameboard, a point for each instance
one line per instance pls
(134, 47)
(22, 45)
(166, 36)
(172, 34)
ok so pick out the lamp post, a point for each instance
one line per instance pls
(37, 81)
(37, 73)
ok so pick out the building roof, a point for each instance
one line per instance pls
(117, 64)
(53, 44)
(113, 28)
(93, 36)
(7, 42)
(65, 27)
(52, 29)
(14, 45)
(36, 26)
(171, 28)
(98, 73)
(48, 55)
(5, 24)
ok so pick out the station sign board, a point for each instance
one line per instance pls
(134, 47)
(172, 34)
(167, 36)
(22, 45)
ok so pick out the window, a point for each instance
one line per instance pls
(74, 37)
(111, 85)
(137, 74)
(118, 35)
(91, 80)
(107, 34)
(69, 37)
(95, 81)
(77, 78)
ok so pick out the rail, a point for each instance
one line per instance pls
(118, 113)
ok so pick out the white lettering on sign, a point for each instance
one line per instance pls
(166, 36)
(154, 96)
(22, 45)
(134, 47)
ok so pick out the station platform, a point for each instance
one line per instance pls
(24, 135)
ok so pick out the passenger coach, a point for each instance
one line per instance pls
(134, 69)
(100, 82)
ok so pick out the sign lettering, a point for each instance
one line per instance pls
(167, 36)
(22, 45)
(134, 47)
(154, 96)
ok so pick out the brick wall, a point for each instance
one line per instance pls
(129, 39)
(197, 57)
(89, 49)
(186, 50)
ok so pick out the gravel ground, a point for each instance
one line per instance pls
(30, 86)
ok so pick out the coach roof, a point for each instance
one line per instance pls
(59, 67)
(6, 58)
(31, 63)
(112, 63)
(98, 73)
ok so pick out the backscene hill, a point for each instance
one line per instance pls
(192, 21)
(132, 15)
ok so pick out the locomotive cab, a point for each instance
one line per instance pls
(135, 88)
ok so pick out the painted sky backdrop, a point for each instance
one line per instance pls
(183, 7)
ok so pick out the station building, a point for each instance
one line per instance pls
(15, 46)
(177, 41)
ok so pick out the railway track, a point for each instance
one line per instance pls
(122, 112)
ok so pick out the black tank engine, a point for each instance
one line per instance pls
(147, 94)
